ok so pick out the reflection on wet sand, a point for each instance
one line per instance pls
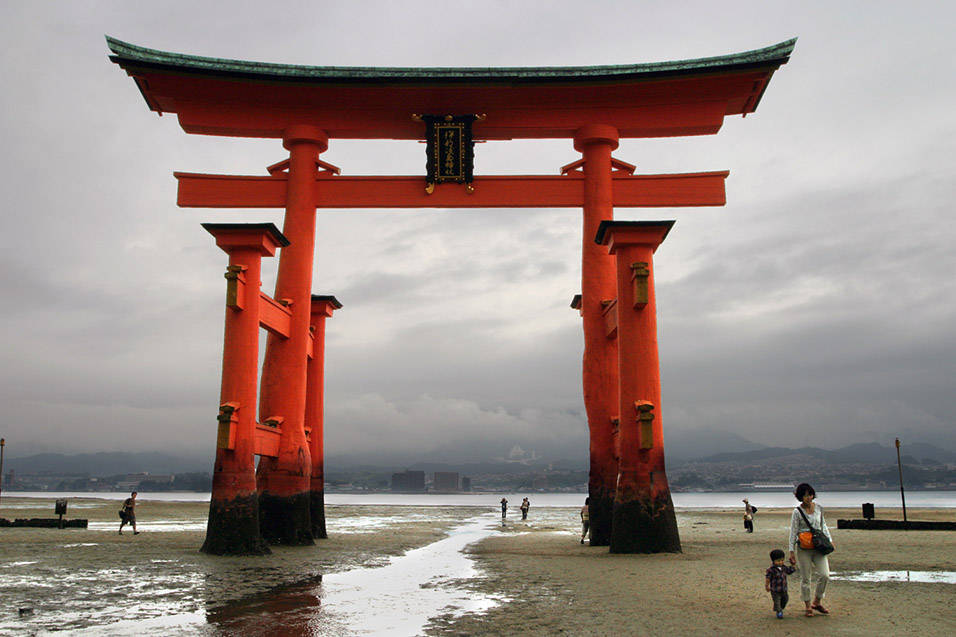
(400, 598)
(288, 609)
(396, 599)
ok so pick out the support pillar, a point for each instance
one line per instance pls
(600, 357)
(284, 480)
(322, 308)
(644, 517)
(233, 526)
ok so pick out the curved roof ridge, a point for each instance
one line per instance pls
(124, 51)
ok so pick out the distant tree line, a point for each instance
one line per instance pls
(200, 481)
(719, 475)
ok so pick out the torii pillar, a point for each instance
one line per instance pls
(284, 481)
(600, 368)
(644, 517)
(233, 527)
(322, 308)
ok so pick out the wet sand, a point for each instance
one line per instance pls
(544, 582)
(96, 579)
(716, 586)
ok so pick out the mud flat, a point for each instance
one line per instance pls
(715, 587)
(535, 577)
(95, 581)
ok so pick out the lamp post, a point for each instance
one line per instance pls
(899, 463)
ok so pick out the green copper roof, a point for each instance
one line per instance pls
(131, 55)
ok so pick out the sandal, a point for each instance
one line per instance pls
(808, 613)
(820, 609)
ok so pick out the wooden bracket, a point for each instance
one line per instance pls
(640, 276)
(235, 287)
(645, 423)
(227, 419)
(574, 166)
(268, 433)
(282, 167)
(610, 318)
(616, 165)
(622, 166)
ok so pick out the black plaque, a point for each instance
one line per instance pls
(450, 149)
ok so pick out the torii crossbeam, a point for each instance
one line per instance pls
(566, 191)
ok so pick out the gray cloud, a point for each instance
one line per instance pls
(817, 306)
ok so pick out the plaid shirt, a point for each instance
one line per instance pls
(777, 575)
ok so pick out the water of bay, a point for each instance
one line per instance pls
(682, 500)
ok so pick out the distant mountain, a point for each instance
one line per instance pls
(861, 453)
(339, 464)
(703, 446)
(537, 453)
(760, 454)
(684, 445)
(104, 464)
(924, 451)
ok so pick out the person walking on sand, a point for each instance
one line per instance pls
(776, 581)
(749, 516)
(525, 505)
(585, 519)
(504, 510)
(809, 560)
(129, 513)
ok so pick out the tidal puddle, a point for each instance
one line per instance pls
(400, 598)
(923, 577)
(155, 526)
(370, 524)
(395, 600)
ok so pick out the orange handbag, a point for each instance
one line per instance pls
(806, 540)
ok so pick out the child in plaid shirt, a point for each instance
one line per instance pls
(777, 581)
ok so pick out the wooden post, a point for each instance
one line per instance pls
(60, 511)
(600, 369)
(322, 308)
(899, 463)
(233, 526)
(283, 481)
(644, 517)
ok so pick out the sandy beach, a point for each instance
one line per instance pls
(715, 587)
(541, 580)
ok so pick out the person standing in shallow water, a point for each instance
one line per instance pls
(525, 505)
(129, 513)
(810, 560)
(504, 510)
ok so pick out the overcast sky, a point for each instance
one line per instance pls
(817, 307)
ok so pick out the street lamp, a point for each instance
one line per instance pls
(899, 463)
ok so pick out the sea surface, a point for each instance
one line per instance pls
(682, 500)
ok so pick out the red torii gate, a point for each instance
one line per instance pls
(305, 107)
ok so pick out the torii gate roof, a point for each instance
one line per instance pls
(256, 99)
